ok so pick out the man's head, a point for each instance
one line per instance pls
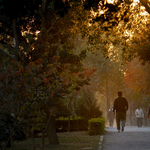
(119, 93)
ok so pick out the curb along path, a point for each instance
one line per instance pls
(100, 142)
(133, 138)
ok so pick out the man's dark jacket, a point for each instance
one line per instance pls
(120, 104)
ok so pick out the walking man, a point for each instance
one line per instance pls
(111, 117)
(121, 106)
(139, 115)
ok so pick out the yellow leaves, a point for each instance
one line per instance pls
(31, 47)
(36, 128)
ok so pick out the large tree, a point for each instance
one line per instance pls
(43, 68)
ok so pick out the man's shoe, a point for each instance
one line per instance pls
(122, 128)
(118, 130)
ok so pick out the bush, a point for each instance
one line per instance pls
(96, 126)
(7, 122)
(86, 106)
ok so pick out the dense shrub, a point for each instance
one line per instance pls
(7, 122)
(86, 106)
(96, 126)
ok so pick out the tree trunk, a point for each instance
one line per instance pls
(12, 143)
(51, 132)
(69, 116)
(108, 105)
(69, 121)
(51, 129)
(131, 115)
(42, 12)
(43, 142)
(33, 141)
(15, 34)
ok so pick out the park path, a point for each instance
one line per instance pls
(133, 138)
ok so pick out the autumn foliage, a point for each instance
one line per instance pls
(137, 76)
(44, 80)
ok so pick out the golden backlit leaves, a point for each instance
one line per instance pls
(138, 43)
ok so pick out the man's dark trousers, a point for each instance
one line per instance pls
(139, 122)
(120, 116)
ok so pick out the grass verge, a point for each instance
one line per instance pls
(68, 141)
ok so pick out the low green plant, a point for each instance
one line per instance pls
(96, 126)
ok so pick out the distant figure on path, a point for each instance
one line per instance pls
(139, 115)
(120, 106)
(111, 117)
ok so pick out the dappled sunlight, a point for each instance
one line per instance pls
(110, 1)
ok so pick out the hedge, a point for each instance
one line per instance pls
(76, 124)
(96, 126)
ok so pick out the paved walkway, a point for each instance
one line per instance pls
(133, 138)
